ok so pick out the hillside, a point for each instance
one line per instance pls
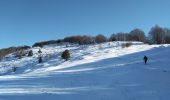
(95, 72)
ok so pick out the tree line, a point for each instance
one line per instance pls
(156, 35)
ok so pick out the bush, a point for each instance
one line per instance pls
(125, 45)
(65, 55)
(30, 53)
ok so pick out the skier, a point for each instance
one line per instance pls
(145, 58)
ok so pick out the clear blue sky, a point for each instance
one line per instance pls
(28, 21)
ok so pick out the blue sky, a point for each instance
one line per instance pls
(29, 21)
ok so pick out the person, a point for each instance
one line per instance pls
(145, 58)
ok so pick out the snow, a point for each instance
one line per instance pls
(95, 72)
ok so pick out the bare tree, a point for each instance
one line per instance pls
(79, 39)
(137, 35)
(121, 36)
(167, 35)
(112, 37)
(100, 38)
(157, 35)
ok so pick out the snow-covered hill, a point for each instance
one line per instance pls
(95, 72)
(79, 55)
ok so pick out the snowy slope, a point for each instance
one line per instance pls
(95, 72)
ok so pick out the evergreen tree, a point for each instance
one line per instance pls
(65, 55)
(39, 51)
(30, 53)
(40, 60)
